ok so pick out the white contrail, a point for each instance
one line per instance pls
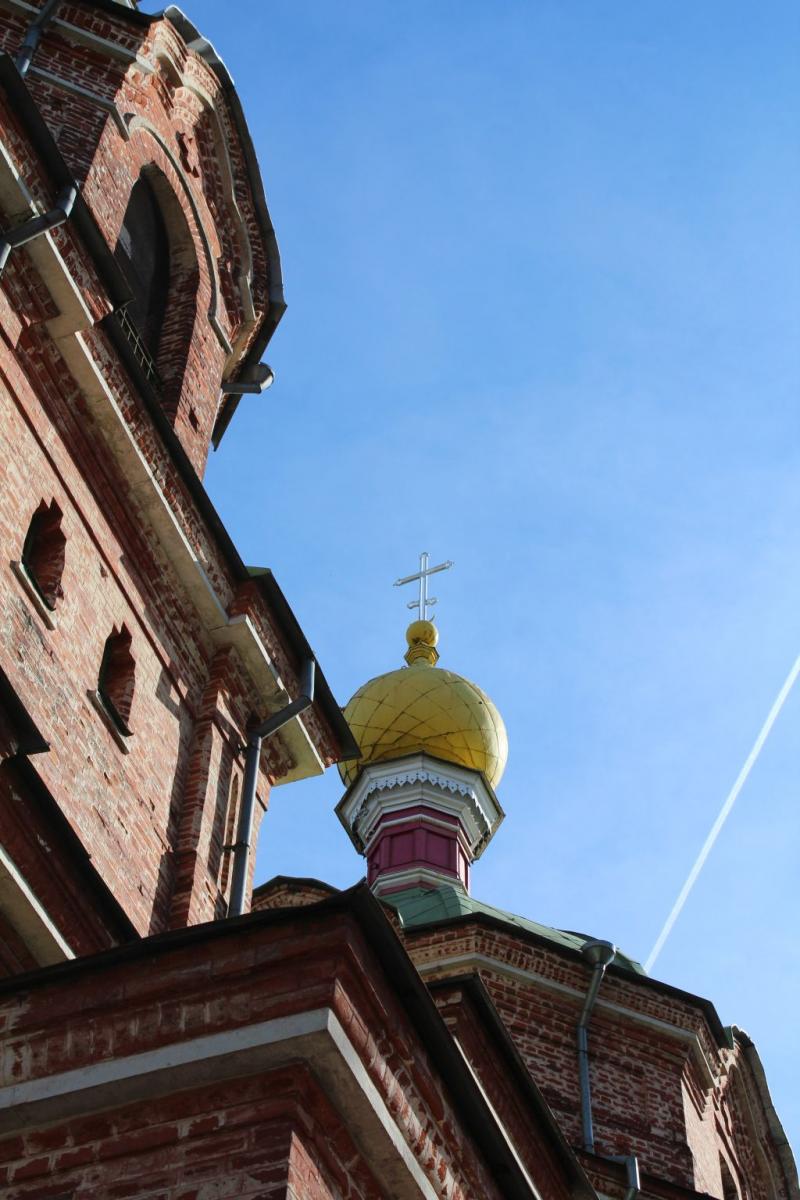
(708, 844)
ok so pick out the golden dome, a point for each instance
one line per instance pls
(424, 708)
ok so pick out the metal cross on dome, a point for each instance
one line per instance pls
(422, 575)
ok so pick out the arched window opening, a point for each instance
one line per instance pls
(143, 252)
(156, 252)
(43, 552)
(115, 683)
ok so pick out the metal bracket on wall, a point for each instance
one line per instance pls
(36, 226)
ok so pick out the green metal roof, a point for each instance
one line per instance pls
(448, 902)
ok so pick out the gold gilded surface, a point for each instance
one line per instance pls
(424, 708)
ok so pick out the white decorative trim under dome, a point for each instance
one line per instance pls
(434, 777)
(420, 779)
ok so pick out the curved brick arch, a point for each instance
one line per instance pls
(181, 307)
(151, 148)
(194, 347)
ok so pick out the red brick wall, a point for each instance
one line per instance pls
(172, 120)
(155, 820)
(290, 893)
(271, 1136)
(255, 970)
(651, 1095)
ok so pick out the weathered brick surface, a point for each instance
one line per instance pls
(254, 971)
(155, 820)
(662, 1086)
(274, 1135)
(283, 892)
(171, 120)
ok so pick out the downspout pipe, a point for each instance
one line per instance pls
(253, 383)
(632, 1168)
(244, 831)
(34, 33)
(598, 954)
(36, 226)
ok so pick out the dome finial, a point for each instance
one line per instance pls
(421, 576)
(422, 637)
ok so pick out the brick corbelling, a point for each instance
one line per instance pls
(108, 798)
(237, 1140)
(110, 570)
(635, 1069)
(164, 470)
(192, 128)
(289, 893)
(256, 975)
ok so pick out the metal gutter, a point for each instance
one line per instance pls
(279, 605)
(34, 227)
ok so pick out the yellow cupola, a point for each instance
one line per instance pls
(422, 708)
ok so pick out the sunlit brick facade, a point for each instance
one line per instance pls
(325, 1044)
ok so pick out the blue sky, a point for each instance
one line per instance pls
(541, 262)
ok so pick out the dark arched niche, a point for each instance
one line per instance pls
(156, 252)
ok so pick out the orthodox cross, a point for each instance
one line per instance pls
(422, 575)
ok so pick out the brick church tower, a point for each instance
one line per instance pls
(165, 1032)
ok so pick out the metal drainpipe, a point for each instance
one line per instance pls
(34, 33)
(632, 1167)
(244, 831)
(259, 378)
(599, 955)
(38, 225)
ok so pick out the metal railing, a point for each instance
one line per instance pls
(141, 354)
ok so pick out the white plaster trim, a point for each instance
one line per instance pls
(394, 785)
(436, 778)
(165, 1058)
(23, 911)
(69, 329)
(389, 880)
(47, 615)
(486, 962)
(316, 1037)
